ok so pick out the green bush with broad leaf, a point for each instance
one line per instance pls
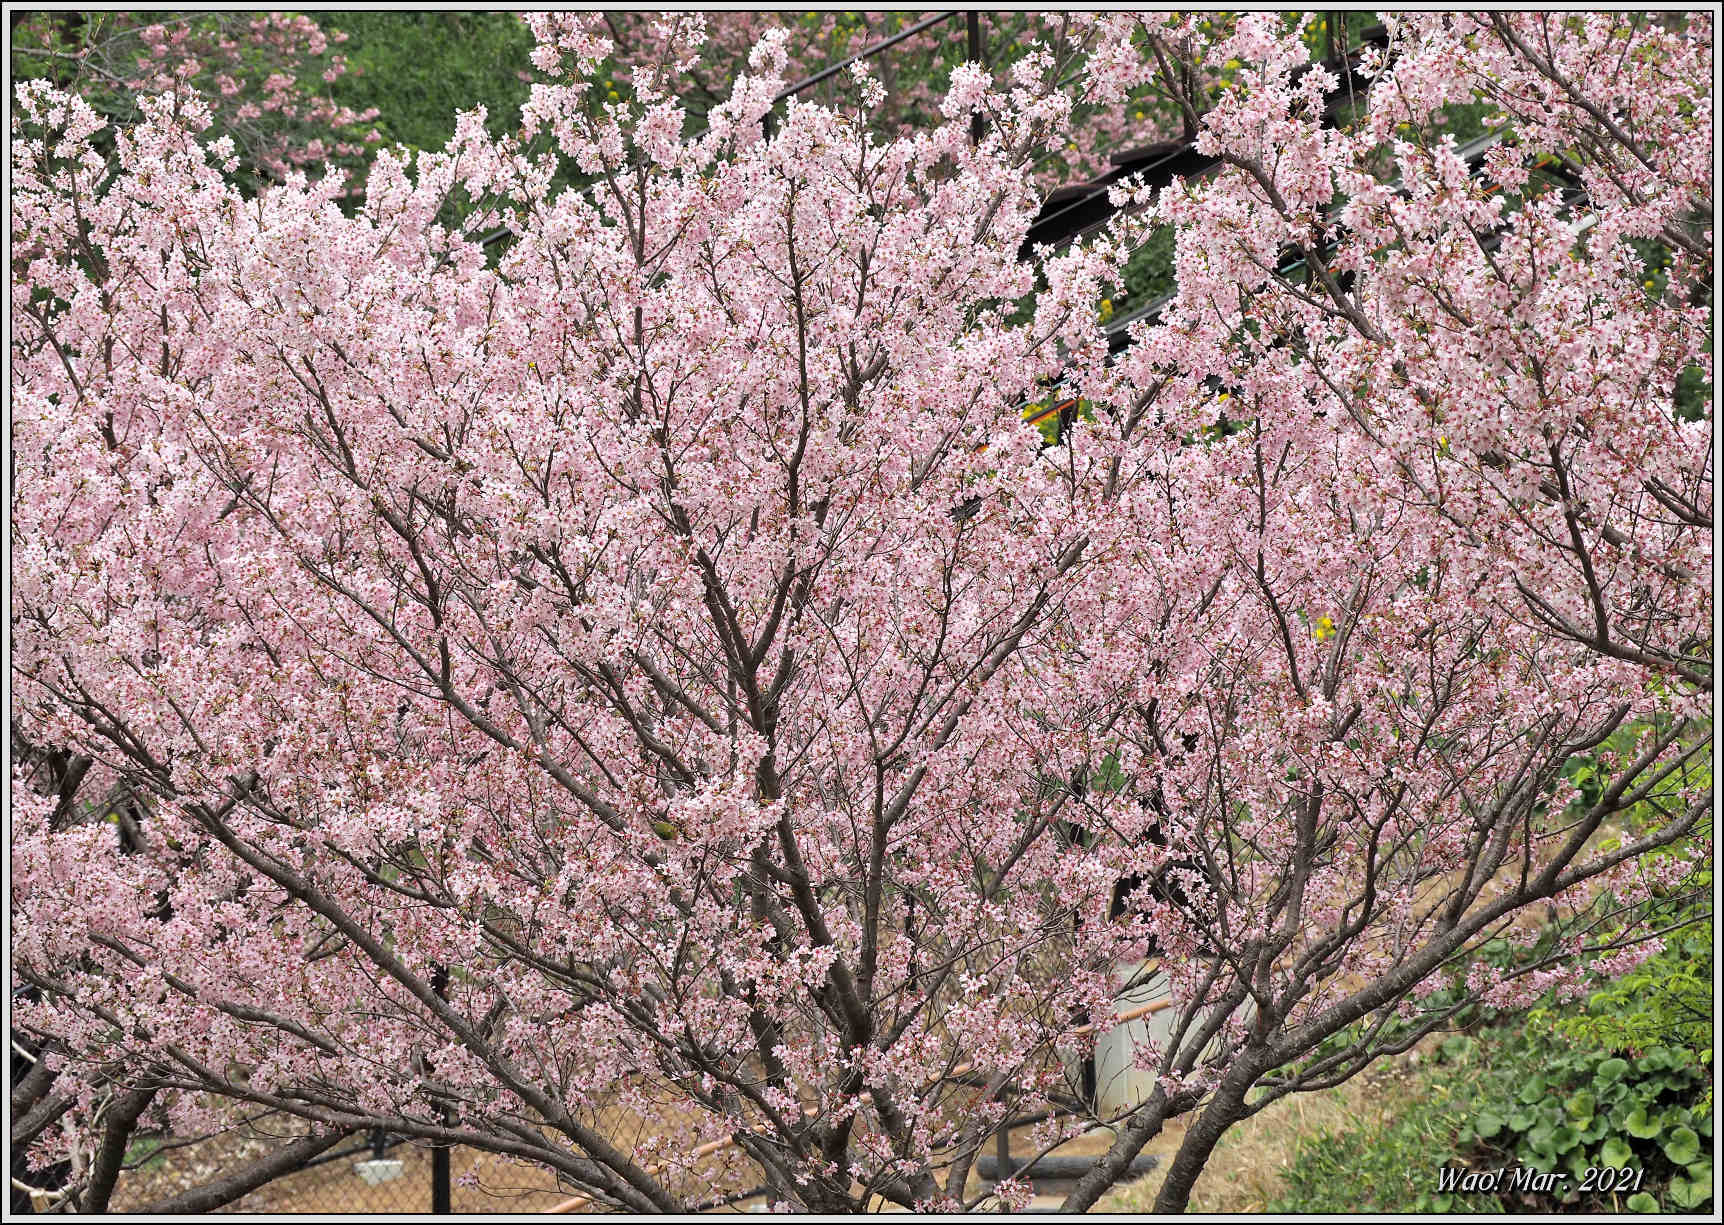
(1552, 1106)
(1621, 1081)
(1393, 1167)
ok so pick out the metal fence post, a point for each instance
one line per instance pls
(440, 1189)
(441, 1192)
(973, 28)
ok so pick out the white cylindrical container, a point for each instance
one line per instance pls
(379, 1170)
(1119, 1083)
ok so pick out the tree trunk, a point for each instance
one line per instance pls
(122, 1119)
(235, 1183)
(1111, 1167)
(1223, 1112)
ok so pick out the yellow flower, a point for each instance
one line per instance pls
(1325, 629)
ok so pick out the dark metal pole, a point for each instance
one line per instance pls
(440, 1188)
(831, 70)
(973, 28)
(441, 1191)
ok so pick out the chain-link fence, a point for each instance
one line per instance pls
(381, 1174)
(374, 1172)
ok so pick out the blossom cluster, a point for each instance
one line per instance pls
(659, 663)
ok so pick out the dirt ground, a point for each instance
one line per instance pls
(483, 1183)
(1242, 1176)
(1244, 1173)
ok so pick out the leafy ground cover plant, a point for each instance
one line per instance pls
(418, 70)
(1602, 1104)
(1628, 1128)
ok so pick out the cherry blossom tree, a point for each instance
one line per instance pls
(917, 54)
(260, 73)
(650, 707)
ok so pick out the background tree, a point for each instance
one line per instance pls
(267, 77)
(660, 675)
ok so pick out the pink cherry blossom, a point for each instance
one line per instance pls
(654, 669)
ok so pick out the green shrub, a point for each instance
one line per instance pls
(1666, 1003)
(418, 69)
(1620, 1082)
(1392, 1168)
(1554, 1107)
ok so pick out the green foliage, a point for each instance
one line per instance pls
(145, 1154)
(114, 59)
(1552, 1106)
(1149, 272)
(1392, 1168)
(1693, 392)
(419, 68)
(1664, 1003)
(1621, 1082)
(1466, 121)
